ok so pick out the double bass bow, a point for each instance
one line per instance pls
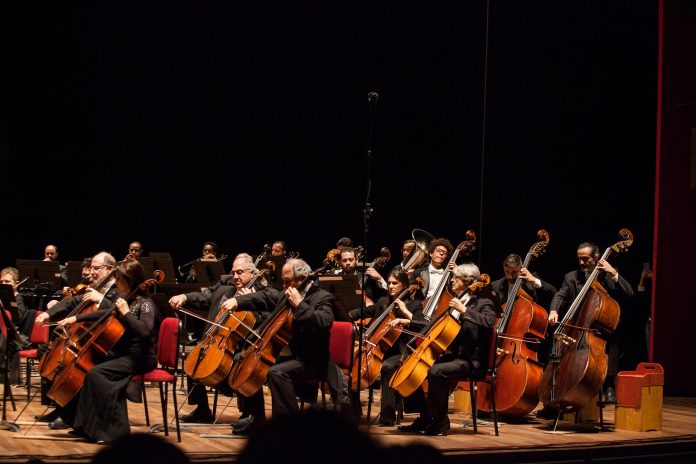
(211, 359)
(518, 334)
(435, 339)
(88, 346)
(578, 362)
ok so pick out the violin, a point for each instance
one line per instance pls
(211, 359)
(376, 340)
(519, 333)
(90, 346)
(578, 362)
(54, 357)
(435, 339)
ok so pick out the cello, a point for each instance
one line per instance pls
(377, 339)
(54, 357)
(435, 339)
(87, 347)
(518, 334)
(211, 359)
(250, 372)
(578, 363)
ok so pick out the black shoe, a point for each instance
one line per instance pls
(198, 416)
(51, 416)
(79, 433)
(57, 424)
(436, 429)
(386, 422)
(417, 426)
(238, 422)
(243, 426)
(610, 395)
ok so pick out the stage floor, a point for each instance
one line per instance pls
(531, 441)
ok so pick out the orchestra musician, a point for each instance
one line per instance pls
(432, 271)
(243, 271)
(101, 265)
(542, 292)
(23, 317)
(210, 253)
(313, 316)
(51, 254)
(375, 286)
(407, 313)
(99, 412)
(618, 288)
(135, 250)
(463, 355)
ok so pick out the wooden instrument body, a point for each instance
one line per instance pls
(581, 366)
(248, 375)
(377, 344)
(518, 371)
(211, 359)
(414, 369)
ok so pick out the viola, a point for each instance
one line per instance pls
(578, 363)
(519, 333)
(435, 339)
(211, 359)
(377, 339)
(57, 351)
(90, 346)
(250, 372)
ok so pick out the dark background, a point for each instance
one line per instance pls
(244, 122)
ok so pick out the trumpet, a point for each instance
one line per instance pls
(206, 257)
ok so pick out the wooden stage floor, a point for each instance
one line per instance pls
(532, 441)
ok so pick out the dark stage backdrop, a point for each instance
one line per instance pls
(244, 122)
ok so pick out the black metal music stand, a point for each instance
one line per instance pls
(346, 290)
(9, 332)
(208, 272)
(41, 274)
(73, 271)
(165, 264)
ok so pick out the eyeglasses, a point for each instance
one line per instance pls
(96, 268)
(240, 271)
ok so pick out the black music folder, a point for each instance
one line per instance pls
(73, 269)
(166, 265)
(41, 274)
(346, 290)
(157, 254)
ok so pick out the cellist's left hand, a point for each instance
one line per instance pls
(526, 275)
(122, 306)
(294, 296)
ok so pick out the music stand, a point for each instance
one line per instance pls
(42, 274)
(157, 254)
(166, 265)
(346, 290)
(73, 270)
(208, 272)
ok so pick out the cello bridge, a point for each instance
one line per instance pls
(563, 338)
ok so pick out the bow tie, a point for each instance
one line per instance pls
(437, 271)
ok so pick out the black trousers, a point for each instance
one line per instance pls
(440, 379)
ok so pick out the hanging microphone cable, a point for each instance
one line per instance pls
(483, 127)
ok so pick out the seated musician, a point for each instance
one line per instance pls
(618, 288)
(23, 318)
(313, 316)
(432, 271)
(243, 270)
(464, 354)
(375, 286)
(542, 292)
(408, 313)
(101, 266)
(99, 412)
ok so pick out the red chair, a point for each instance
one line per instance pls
(39, 336)
(167, 359)
(341, 349)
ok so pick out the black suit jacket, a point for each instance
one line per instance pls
(542, 296)
(212, 298)
(473, 340)
(64, 307)
(573, 282)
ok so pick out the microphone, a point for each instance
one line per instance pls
(372, 96)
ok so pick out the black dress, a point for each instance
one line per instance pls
(99, 410)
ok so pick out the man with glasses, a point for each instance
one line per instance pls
(433, 271)
(101, 266)
(243, 270)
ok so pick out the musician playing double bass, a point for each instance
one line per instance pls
(98, 412)
(464, 354)
(618, 288)
(542, 292)
(101, 266)
(312, 318)
(243, 270)
(433, 270)
(407, 313)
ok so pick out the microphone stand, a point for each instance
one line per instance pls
(367, 214)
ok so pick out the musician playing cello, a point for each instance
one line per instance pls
(243, 270)
(98, 412)
(618, 288)
(313, 316)
(464, 354)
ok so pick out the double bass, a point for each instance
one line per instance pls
(56, 353)
(435, 338)
(88, 347)
(376, 340)
(578, 362)
(250, 372)
(518, 334)
(211, 359)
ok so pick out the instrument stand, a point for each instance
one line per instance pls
(7, 390)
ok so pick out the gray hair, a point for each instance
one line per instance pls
(300, 268)
(107, 258)
(467, 270)
(247, 257)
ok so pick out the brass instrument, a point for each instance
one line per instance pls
(420, 251)
(205, 257)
